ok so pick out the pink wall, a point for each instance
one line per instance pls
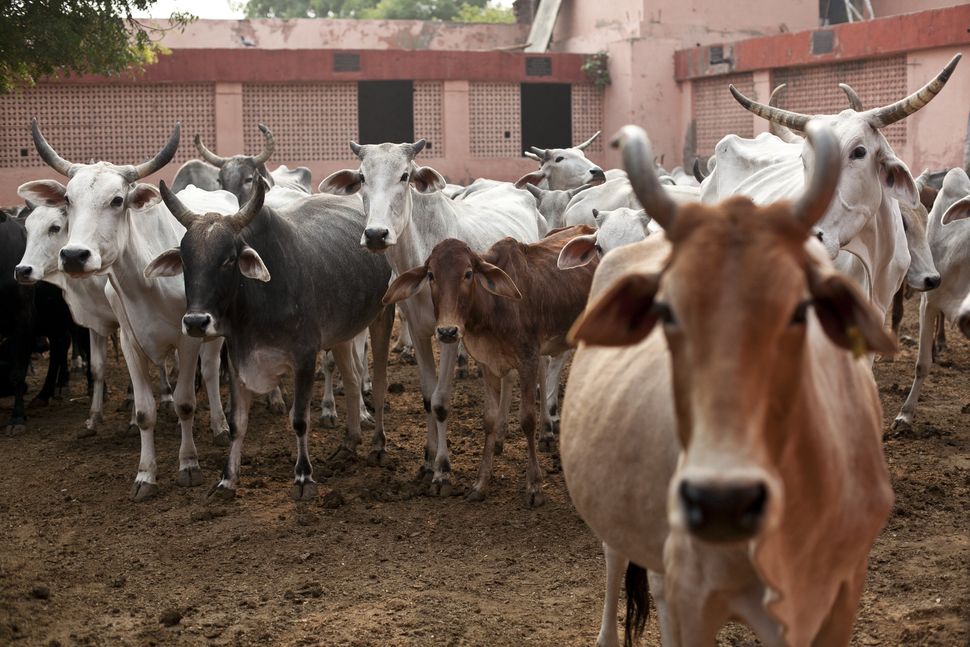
(345, 34)
(885, 8)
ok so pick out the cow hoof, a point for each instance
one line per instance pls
(143, 490)
(378, 458)
(424, 475)
(189, 477)
(901, 424)
(367, 420)
(547, 444)
(499, 447)
(475, 496)
(328, 420)
(536, 499)
(304, 491)
(86, 432)
(368, 387)
(441, 488)
(221, 492)
(221, 439)
(16, 428)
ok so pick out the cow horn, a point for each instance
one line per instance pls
(809, 208)
(532, 156)
(163, 157)
(48, 154)
(638, 162)
(882, 117)
(589, 141)
(252, 207)
(269, 145)
(794, 120)
(698, 170)
(417, 147)
(179, 210)
(208, 155)
(541, 152)
(781, 132)
(854, 101)
(355, 147)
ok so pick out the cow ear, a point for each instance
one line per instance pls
(425, 179)
(531, 178)
(496, 281)
(344, 182)
(957, 211)
(847, 317)
(623, 316)
(251, 265)
(898, 181)
(406, 285)
(577, 252)
(142, 196)
(168, 263)
(49, 193)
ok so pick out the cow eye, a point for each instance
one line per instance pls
(404, 177)
(430, 276)
(559, 159)
(54, 229)
(229, 262)
(248, 180)
(468, 275)
(117, 201)
(801, 313)
(663, 312)
(858, 153)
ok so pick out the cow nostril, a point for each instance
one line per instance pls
(932, 282)
(723, 512)
(23, 271)
(447, 333)
(819, 235)
(375, 234)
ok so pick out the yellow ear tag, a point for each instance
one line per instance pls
(857, 341)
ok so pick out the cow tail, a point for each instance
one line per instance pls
(637, 603)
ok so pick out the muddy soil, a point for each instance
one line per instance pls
(373, 561)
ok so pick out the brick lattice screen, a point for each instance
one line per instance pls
(429, 98)
(815, 90)
(122, 124)
(588, 116)
(717, 114)
(310, 121)
(494, 109)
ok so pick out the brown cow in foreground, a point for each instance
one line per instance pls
(721, 427)
(510, 306)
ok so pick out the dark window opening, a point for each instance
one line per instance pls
(385, 111)
(547, 115)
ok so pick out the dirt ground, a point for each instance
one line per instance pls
(371, 561)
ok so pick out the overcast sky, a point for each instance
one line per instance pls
(218, 8)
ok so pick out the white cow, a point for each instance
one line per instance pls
(116, 227)
(716, 430)
(948, 231)
(563, 168)
(614, 229)
(407, 215)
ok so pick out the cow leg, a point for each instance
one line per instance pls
(405, 347)
(927, 330)
(359, 356)
(23, 345)
(836, 630)
(189, 474)
(440, 400)
(655, 582)
(380, 335)
(304, 487)
(939, 344)
(343, 354)
(165, 380)
(898, 310)
(553, 378)
(528, 380)
(328, 406)
(502, 422)
(211, 366)
(99, 357)
(549, 379)
(275, 401)
(462, 363)
(424, 355)
(493, 402)
(615, 568)
(56, 361)
(241, 399)
(145, 485)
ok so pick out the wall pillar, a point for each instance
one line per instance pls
(457, 135)
(229, 120)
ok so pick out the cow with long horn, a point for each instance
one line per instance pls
(720, 433)
(236, 173)
(864, 219)
(116, 226)
(562, 169)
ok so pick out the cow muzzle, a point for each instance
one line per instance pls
(723, 512)
(448, 334)
(597, 174)
(198, 325)
(376, 239)
(78, 261)
(26, 275)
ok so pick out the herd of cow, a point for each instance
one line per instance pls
(721, 427)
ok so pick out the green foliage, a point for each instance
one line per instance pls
(456, 10)
(41, 38)
(596, 67)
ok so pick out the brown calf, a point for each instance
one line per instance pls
(510, 306)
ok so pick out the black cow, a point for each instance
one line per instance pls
(280, 285)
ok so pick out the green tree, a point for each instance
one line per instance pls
(458, 10)
(40, 38)
(488, 13)
(308, 8)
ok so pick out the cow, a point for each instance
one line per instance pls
(720, 429)
(510, 306)
(116, 226)
(563, 168)
(197, 173)
(280, 285)
(407, 215)
(865, 219)
(613, 229)
(948, 232)
(551, 203)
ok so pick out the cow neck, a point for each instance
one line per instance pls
(877, 246)
(433, 219)
(150, 232)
